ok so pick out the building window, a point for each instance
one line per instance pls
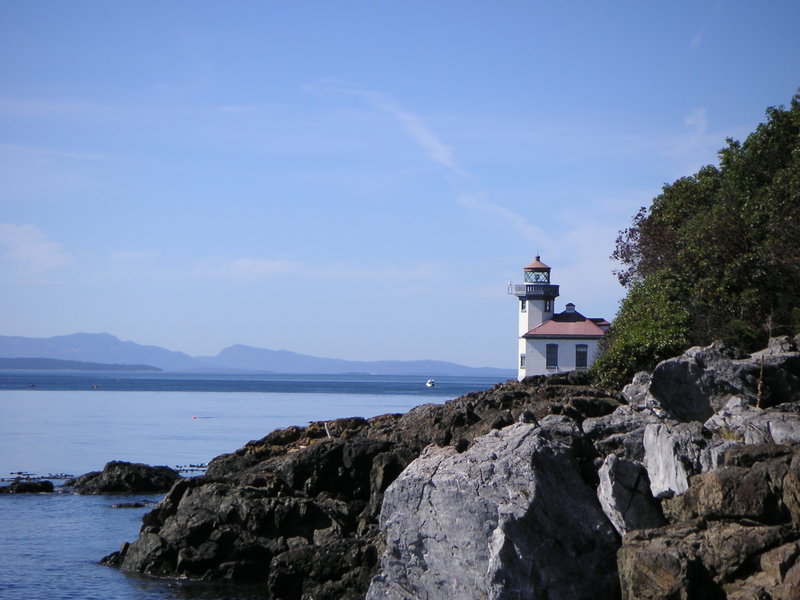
(552, 356)
(581, 356)
(521, 361)
(548, 306)
(523, 305)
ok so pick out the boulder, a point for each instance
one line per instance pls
(672, 453)
(125, 477)
(622, 432)
(624, 493)
(693, 386)
(511, 517)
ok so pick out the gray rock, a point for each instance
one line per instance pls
(780, 425)
(624, 493)
(779, 345)
(741, 422)
(622, 432)
(635, 393)
(673, 452)
(693, 386)
(511, 517)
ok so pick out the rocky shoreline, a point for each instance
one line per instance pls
(686, 484)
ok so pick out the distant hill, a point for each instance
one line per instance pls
(104, 348)
(55, 364)
(283, 361)
(97, 348)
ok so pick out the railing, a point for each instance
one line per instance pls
(533, 289)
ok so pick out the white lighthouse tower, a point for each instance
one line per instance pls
(536, 298)
(550, 342)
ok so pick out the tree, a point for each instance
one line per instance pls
(716, 256)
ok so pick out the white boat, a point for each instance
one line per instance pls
(430, 383)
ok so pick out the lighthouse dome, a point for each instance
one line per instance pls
(537, 272)
(536, 265)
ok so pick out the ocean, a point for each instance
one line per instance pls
(56, 423)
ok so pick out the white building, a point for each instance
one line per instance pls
(550, 342)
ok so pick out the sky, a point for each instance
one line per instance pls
(354, 179)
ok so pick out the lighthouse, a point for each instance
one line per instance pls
(551, 342)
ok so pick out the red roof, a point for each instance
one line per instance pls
(567, 324)
(536, 265)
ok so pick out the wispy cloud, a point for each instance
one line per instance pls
(252, 269)
(697, 146)
(698, 119)
(256, 268)
(412, 124)
(243, 268)
(508, 218)
(133, 255)
(360, 271)
(31, 248)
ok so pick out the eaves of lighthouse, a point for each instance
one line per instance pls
(550, 342)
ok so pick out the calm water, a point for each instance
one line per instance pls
(54, 423)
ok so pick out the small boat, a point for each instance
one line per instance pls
(430, 383)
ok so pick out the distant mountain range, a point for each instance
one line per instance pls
(106, 349)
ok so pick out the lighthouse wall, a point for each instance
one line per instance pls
(566, 348)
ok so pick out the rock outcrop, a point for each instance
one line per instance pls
(684, 485)
(124, 477)
(511, 517)
(28, 486)
(299, 509)
(626, 497)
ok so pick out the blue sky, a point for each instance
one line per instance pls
(352, 179)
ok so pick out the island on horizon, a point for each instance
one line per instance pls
(55, 364)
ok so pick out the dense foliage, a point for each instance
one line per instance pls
(715, 257)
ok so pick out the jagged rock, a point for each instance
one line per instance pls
(694, 559)
(506, 506)
(624, 493)
(620, 433)
(694, 385)
(741, 422)
(511, 517)
(212, 529)
(731, 420)
(673, 452)
(753, 490)
(734, 533)
(282, 507)
(25, 486)
(698, 383)
(118, 477)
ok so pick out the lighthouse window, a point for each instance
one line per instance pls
(548, 305)
(552, 356)
(521, 361)
(581, 356)
(537, 277)
(523, 305)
